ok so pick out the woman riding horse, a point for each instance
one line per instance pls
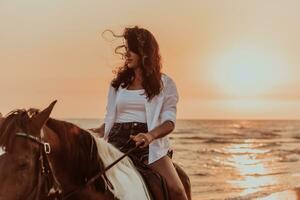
(47, 159)
(141, 106)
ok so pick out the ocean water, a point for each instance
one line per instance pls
(235, 159)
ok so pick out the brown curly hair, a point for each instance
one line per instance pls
(143, 43)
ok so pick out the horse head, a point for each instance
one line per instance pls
(20, 138)
(30, 171)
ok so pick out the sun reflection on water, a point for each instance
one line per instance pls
(254, 174)
(251, 172)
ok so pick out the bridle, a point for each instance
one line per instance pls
(46, 175)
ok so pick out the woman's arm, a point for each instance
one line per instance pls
(162, 130)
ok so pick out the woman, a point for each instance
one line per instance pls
(141, 107)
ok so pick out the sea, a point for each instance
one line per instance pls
(236, 159)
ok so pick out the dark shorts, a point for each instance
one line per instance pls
(119, 136)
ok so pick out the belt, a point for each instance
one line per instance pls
(130, 125)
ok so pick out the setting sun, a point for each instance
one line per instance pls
(247, 73)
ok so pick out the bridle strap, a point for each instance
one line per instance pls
(54, 187)
(36, 139)
(46, 145)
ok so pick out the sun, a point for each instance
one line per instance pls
(246, 73)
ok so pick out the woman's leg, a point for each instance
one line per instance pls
(165, 168)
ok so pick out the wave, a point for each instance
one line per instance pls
(267, 145)
(277, 130)
(269, 190)
(297, 137)
(221, 141)
(268, 174)
(284, 152)
(212, 151)
(201, 174)
(189, 130)
(287, 159)
(259, 134)
(189, 138)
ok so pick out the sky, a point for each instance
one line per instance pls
(230, 59)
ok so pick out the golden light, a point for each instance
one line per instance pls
(251, 170)
(246, 72)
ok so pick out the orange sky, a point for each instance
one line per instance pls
(230, 59)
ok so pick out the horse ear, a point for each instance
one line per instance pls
(41, 118)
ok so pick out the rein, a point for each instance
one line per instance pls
(113, 164)
(47, 170)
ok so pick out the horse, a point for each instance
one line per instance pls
(47, 158)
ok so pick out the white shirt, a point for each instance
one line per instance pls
(162, 107)
(131, 106)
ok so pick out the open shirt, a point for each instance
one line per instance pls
(159, 109)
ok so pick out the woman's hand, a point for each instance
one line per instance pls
(142, 138)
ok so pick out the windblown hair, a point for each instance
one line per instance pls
(143, 43)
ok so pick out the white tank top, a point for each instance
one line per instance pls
(131, 106)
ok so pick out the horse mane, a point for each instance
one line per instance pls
(79, 147)
(13, 120)
(127, 181)
(67, 133)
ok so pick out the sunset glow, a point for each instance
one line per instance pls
(247, 73)
(249, 168)
(234, 59)
(236, 68)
